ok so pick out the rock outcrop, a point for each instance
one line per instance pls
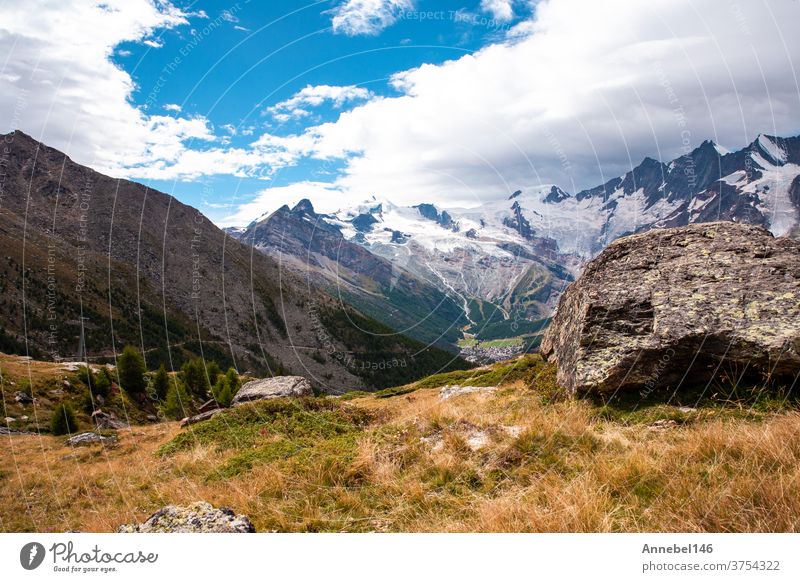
(200, 517)
(277, 387)
(22, 398)
(677, 307)
(88, 438)
(107, 420)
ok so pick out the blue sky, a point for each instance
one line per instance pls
(248, 56)
(237, 108)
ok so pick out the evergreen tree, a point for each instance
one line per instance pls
(225, 397)
(213, 372)
(131, 370)
(232, 377)
(63, 420)
(193, 374)
(161, 383)
(178, 403)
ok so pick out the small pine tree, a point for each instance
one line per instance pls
(232, 377)
(131, 370)
(213, 372)
(193, 374)
(217, 388)
(178, 403)
(225, 397)
(63, 420)
(161, 383)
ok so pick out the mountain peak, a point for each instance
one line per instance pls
(304, 207)
(556, 195)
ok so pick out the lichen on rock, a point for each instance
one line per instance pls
(673, 307)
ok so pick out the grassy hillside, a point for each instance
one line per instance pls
(515, 458)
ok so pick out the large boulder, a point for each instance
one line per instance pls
(200, 517)
(677, 307)
(277, 387)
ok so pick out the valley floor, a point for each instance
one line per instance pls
(508, 459)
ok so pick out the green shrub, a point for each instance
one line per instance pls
(63, 420)
(101, 383)
(25, 386)
(131, 370)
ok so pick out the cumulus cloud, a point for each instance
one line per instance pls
(60, 85)
(367, 17)
(314, 96)
(501, 10)
(580, 92)
(584, 95)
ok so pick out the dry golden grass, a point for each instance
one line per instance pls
(502, 461)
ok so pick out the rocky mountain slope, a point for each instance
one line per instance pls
(90, 263)
(318, 252)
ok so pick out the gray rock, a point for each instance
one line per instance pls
(4, 430)
(277, 387)
(88, 438)
(22, 398)
(108, 420)
(200, 517)
(201, 417)
(658, 310)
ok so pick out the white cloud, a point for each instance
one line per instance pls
(172, 107)
(325, 196)
(153, 43)
(580, 93)
(229, 16)
(367, 17)
(60, 85)
(501, 10)
(590, 90)
(314, 96)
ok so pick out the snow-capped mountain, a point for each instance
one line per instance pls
(506, 262)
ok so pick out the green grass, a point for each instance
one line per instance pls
(498, 343)
(246, 426)
(505, 373)
(275, 431)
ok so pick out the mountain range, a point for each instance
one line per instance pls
(90, 263)
(497, 270)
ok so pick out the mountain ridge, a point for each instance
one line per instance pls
(92, 263)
